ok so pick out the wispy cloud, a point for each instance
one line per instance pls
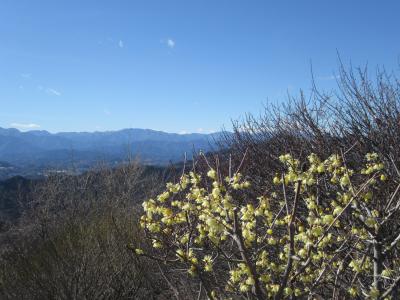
(183, 132)
(170, 43)
(113, 42)
(49, 91)
(41, 88)
(24, 126)
(106, 111)
(53, 92)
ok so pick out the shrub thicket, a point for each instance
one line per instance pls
(72, 243)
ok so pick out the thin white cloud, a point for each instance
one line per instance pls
(170, 43)
(183, 132)
(49, 91)
(24, 126)
(106, 112)
(121, 44)
(53, 92)
(200, 130)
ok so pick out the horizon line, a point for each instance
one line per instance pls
(115, 130)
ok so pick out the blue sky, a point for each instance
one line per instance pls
(176, 66)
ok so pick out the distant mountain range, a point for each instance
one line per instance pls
(34, 152)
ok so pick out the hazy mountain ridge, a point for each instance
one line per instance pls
(36, 151)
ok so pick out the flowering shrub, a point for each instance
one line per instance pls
(324, 231)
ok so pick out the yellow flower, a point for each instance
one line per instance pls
(327, 219)
(337, 210)
(207, 263)
(313, 158)
(244, 287)
(288, 291)
(246, 184)
(250, 280)
(374, 293)
(368, 196)
(345, 180)
(387, 272)
(216, 192)
(317, 231)
(353, 291)
(192, 270)
(139, 251)
(157, 244)
(235, 276)
(321, 168)
(370, 222)
(355, 265)
(212, 174)
(163, 197)
(371, 156)
(180, 253)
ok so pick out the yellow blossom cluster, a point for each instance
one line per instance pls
(287, 243)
